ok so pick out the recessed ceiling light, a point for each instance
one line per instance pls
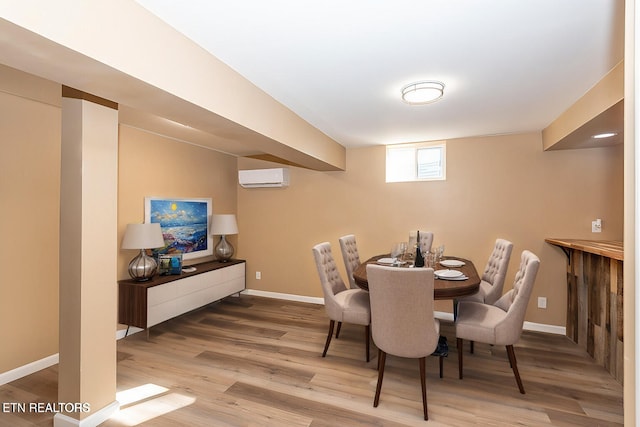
(424, 92)
(604, 135)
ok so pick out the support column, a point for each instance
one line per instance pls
(88, 259)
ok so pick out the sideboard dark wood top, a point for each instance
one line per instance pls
(608, 248)
(133, 295)
(200, 268)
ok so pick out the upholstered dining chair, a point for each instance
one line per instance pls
(402, 322)
(499, 323)
(341, 304)
(495, 272)
(350, 256)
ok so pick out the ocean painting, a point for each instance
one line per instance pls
(184, 224)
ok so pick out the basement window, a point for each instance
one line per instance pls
(416, 162)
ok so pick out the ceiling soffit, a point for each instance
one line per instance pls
(260, 125)
(599, 111)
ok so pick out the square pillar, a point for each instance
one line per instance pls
(88, 259)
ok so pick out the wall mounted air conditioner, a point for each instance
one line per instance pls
(258, 178)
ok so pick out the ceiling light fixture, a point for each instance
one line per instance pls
(424, 92)
(604, 135)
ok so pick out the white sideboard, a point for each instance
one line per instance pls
(144, 304)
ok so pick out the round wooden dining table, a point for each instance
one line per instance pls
(442, 288)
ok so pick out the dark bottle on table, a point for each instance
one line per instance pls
(419, 262)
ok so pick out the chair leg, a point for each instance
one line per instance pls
(471, 351)
(441, 365)
(367, 332)
(423, 383)
(326, 345)
(338, 330)
(382, 356)
(514, 366)
(459, 344)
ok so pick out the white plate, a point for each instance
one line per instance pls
(386, 260)
(454, 278)
(448, 274)
(452, 263)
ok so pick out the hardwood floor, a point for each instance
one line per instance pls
(252, 361)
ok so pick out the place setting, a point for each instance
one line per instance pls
(391, 261)
(452, 263)
(448, 273)
(398, 255)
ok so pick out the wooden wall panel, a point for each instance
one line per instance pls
(594, 308)
(594, 299)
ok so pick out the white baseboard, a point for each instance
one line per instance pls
(442, 315)
(528, 326)
(38, 365)
(93, 420)
(288, 297)
(28, 369)
(541, 327)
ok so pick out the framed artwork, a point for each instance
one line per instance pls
(184, 224)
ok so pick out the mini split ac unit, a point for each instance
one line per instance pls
(257, 178)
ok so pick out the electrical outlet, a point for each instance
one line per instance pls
(596, 226)
(258, 275)
(542, 302)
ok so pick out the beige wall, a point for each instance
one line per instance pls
(30, 126)
(30, 135)
(152, 165)
(502, 186)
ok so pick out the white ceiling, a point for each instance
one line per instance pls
(508, 65)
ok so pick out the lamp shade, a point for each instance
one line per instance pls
(143, 236)
(222, 225)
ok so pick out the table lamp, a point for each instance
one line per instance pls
(223, 225)
(142, 236)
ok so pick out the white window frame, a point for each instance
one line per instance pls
(402, 162)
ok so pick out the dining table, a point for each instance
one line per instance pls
(442, 288)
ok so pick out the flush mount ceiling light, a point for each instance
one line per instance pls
(424, 92)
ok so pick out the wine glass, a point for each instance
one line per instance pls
(439, 252)
(431, 260)
(399, 250)
(403, 246)
(395, 250)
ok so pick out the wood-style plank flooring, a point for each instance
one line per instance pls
(251, 361)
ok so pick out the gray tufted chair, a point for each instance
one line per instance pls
(500, 323)
(350, 257)
(402, 319)
(494, 275)
(341, 304)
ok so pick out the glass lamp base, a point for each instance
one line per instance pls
(224, 250)
(142, 267)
